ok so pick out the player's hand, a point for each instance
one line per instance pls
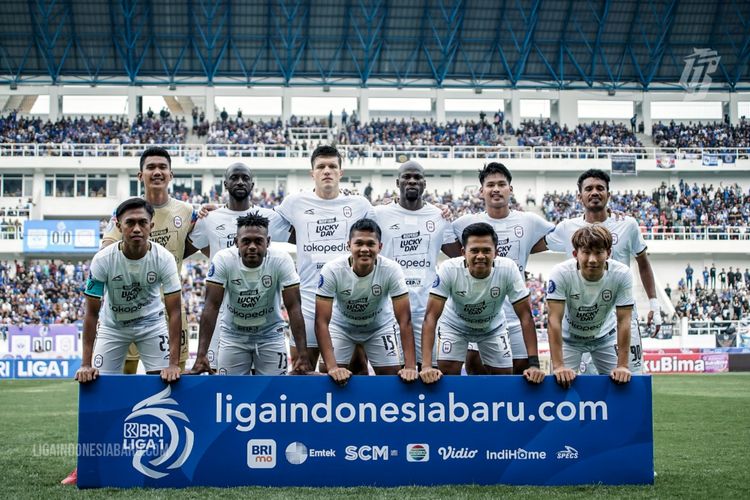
(302, 365)
(408, 374)
(201, 365)
(445, 211)
(430, 375)
(86, 374)
(171, 374)
(620, 375)
(340, 375)
(534, 375)
(205, 209)
(564, 376)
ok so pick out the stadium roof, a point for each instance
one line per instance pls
(613, 44)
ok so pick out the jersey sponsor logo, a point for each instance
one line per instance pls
(151, 277)
(266, 281)
(410, 242)
(248, 298)
(347, 211)
(117, 278)
(551, 287)
(220, 227)
(395, 227)
(494, 292)
(346, 292)
(320, 281)
(310, 211)
(461, 293)
(587, 313)
(130, 292)
(475, 309)
(236, 281)
(211, 270)
(330, 228)
(606, 295)
(177, 221)
(575, 296)
(357, 305)
(430, 226)
(162, 237)
(518, 231)
(377, 290)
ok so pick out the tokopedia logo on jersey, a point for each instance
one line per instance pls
(157, 434)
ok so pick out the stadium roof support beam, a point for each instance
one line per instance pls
(369, 37)
(656, 56)
(211, 22)
(446, 30)
(528, 41)
(743, 51)
(601, 19)
(562, 44)
(127, 35)
(49, 20)
(292, 40)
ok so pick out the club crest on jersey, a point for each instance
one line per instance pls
(494, 292)
(177, 221)
(347, 211)
(377, 290)
(518, 231)
(615, 238)
(607, 295)
(430, 226)
(211, 270)
(151, 277)
(266, 281)
(551, 287)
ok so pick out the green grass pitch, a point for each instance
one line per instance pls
(701, 432)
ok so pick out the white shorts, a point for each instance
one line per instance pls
(635, 360)
(603, 352)
(382, 346)
(416, 325)
(312, 341)
(213, 347)
(517, 344)
(111, 347)
(239, 354)
(494, 348)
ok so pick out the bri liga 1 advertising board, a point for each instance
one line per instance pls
(136, 431)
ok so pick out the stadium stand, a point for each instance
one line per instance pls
(548, 133)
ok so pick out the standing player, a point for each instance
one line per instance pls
(218, 230)
(359, 286)
(321, 220)
(475, 287)
(413, 234)
(627, 242)
(173, 220)
(131, 275)
(519, 234)
(250, 278)
(582, 294)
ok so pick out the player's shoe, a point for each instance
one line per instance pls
(72, 478)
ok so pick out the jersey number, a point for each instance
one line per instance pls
(283, 361)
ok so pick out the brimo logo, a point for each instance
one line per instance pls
(144, 434)
(696, 77)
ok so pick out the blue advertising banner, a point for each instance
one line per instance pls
(61, 236)
(710, 160)
(39, 368)
(136, 431)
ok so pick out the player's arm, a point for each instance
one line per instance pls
(323, 313)
(523, 310)
(293, 303)
(87, 373)
(435, 305)
(555, 309)
(539, 246)
(214, 298)
(173, 304)
(621, 374)
(402, 311)
(452, 249)
(190, 249)
(649, 284)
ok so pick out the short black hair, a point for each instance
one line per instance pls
(494, 168)
(366, 225)
(326, 151)
(478, 229)
(596, 174)
(252, 219)
(155, 151)
(134, 204)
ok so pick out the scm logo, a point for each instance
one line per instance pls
(367, 453)
(261, 453)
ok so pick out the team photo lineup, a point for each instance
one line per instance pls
(367, 287)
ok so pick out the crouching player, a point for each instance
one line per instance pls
(475, 287)
(360, 286)
(131, 274)
(251, 278)
(582, 292)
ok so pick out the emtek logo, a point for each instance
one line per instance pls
(367, 453)
(261, 453)
(419, 452)
(569, 453)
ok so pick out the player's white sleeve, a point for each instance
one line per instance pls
(287, 274)
(397, 285)
(97, 278)
(637, 243)
(327, 282)
(540, 227)
(278, 227)
(515, 285)
(449, 236)
(286, 209)
(199, 234)
(556, 239)
(217, 271)
(556, 285)
(98, 267)
(624, 296)
(440, 286)
(170, 278)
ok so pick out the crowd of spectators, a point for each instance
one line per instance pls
(704, 303)
(413, 132)
(668, 209)
(595, 134)
(248, 132)
(699, 135)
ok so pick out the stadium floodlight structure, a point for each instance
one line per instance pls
(566, 44)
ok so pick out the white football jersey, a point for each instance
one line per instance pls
(252, 296)
(362, 302)
(627, 240)
(516, 234)
(218, 229)
(413, 238)
(475, 304)
(132, 289)
(322, 232)
(589, 305)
